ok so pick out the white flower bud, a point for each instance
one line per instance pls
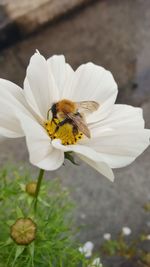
(96, 263)
(107, 236)
(148, 237)
(87, 249)
(126, 231)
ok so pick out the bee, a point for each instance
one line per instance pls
(73, 113)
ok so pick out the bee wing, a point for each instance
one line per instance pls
(80, 123)
(87, 106)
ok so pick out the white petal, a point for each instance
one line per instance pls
(87, 249)
(126, 230)
(83, 150)
(42, 153)
(101, 167)
(92, 82)
(107, 236)
(121, 137)
(90, 156)
(88, 82)
(88, 246)
(122, 117)
(10, 133)
(39, 86)
(62, 73)
(96, 262)
(119, 148)
(11, 99)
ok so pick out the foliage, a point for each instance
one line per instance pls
(54, 245)
(130, 251)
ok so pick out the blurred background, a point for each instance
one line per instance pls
(111, 33)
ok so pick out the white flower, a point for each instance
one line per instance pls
(107, 236)
(96, 263)
(87, 249)
(148, 237)
(126, 231)
(117, 131)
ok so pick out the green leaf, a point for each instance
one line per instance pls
(10, 222)
(6, 243)
(31, 249)
(22, 187)
(44, 202)
(29, 200)
(110, 247)
(19, 212)
(19, 251)
(1, 198)
(23, 196)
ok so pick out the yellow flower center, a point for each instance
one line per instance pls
(65, 132)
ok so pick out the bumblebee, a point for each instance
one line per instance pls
(69, 112)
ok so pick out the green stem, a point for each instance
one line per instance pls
(39, 181)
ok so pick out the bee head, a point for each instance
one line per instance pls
(54, 109)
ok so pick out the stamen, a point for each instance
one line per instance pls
(64, 132)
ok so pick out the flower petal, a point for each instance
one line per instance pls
(62, 73)
(11, 99)
(121, 137)
(39, 86)
(90, 156)
(122, 117)
(42, 153)
(83, 150)
(101, 167)
(92, 82)
(120, 148)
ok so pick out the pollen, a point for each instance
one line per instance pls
(66, 132)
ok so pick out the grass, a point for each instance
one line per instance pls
(55, 244)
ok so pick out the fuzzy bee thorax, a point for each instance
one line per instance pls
(66, 106)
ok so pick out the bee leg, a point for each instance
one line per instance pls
(61, 123)
(53, 120)
(75, 130)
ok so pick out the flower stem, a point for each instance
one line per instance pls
(39, 181)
